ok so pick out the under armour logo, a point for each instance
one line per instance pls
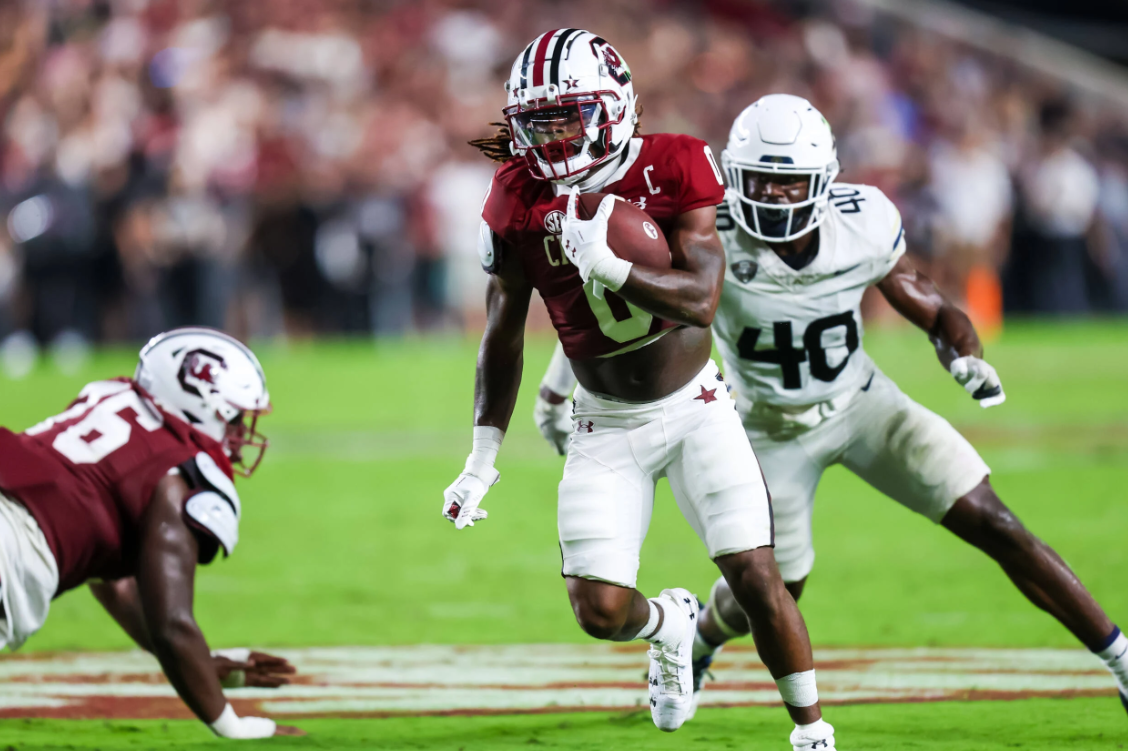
(585, 426)
(819, 744)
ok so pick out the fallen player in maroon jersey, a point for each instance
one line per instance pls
(128, 490)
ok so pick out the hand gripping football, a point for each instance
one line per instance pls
(631, 233)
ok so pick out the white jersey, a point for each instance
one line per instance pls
(794, 337)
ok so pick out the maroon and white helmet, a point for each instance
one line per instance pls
(213, 382)
(571, 104)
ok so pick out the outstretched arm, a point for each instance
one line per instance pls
(498, 378)
(235, 668)
(914, 295)
(122, 601)
(166, 573)
(501, 355)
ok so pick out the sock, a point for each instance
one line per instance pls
(819, 730)
(673, 623)
(651, 623)
(1115, 657)
(702, 647)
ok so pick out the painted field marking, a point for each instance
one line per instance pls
(437, 679)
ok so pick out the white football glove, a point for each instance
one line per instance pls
(461, 499)
(585, 243)
(554, 421)
(979, 379)
(230, 725)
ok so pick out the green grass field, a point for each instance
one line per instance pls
(342, 543)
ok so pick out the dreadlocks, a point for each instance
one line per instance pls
(496, 147)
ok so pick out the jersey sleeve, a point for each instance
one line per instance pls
(501, 209)
(701, 181)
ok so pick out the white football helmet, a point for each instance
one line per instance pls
(779, 134)
(212, 381)
(571, 104)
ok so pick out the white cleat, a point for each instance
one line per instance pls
(671, 664)
(818, 736)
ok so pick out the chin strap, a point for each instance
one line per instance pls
(596, 179)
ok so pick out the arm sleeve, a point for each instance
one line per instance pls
(559, 378)
(701, 181)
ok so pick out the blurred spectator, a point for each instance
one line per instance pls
(301, 167)
(973, 191)
(1060, 192)
(1111, 241)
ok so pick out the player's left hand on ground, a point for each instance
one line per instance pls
(244, 668)
(585, 242)
(461, 499)
(979, 379)
(554, 421)
(288, 730)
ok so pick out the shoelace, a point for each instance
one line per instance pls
(668, 669)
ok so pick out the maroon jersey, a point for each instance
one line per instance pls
(664, 175)
(88, 474)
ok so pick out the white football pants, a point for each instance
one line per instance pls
(618, 453)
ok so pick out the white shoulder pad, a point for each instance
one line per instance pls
(487, 248)
(873, 220)
(219, 481)
(212, 512)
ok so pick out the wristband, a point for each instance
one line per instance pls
(487, 443)
(611, 272)
(231, 725)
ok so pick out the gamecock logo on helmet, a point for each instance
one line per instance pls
(199, 368)
(615, 65)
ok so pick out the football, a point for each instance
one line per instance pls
(631, 233)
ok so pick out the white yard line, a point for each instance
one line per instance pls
(539, 677)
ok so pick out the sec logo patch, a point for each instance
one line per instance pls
(554, 221)
(650, 230)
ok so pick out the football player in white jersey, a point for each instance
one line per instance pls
(801, 250)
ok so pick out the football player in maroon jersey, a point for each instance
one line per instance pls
(128, 490)
(650, 402)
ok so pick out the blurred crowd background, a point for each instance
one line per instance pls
(298, 167)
